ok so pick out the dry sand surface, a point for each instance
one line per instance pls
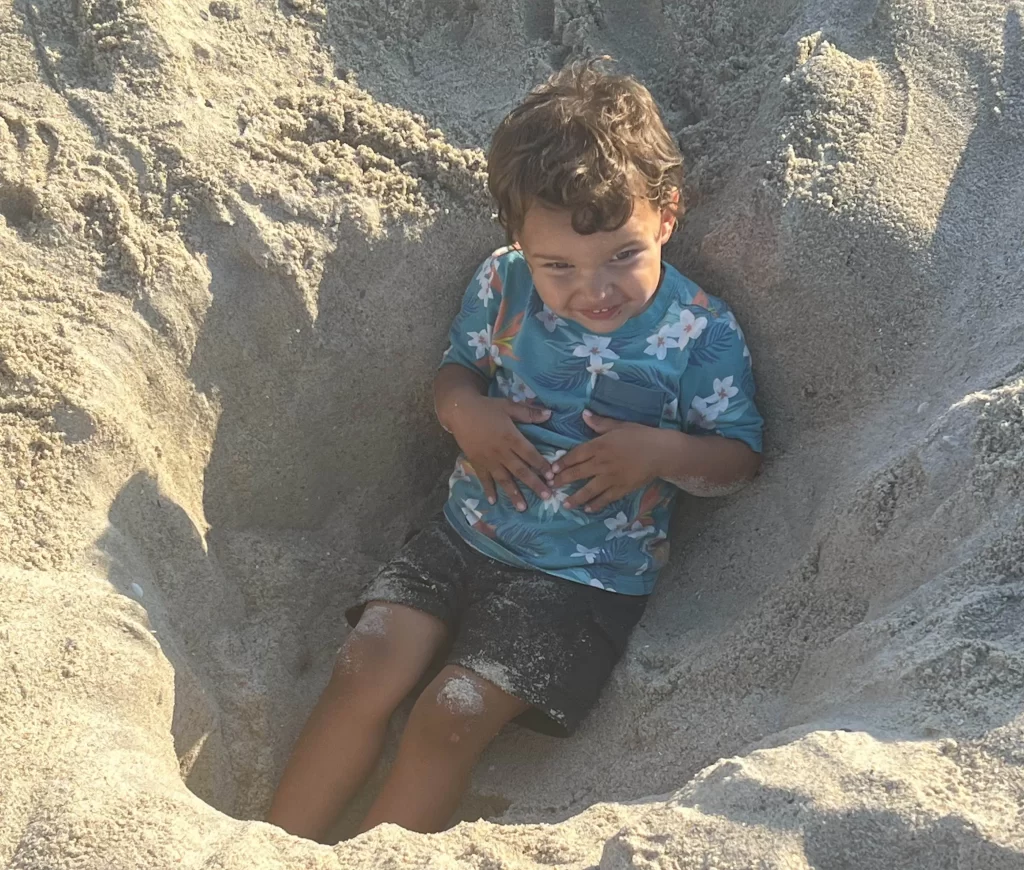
(212, 214)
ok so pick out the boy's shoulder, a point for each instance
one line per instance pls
(509, 259)
(507, 273)
(688, 294)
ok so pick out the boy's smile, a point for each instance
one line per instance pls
(599, 280)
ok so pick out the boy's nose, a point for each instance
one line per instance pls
(599, 295)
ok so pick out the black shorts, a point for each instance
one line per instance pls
(545, 640)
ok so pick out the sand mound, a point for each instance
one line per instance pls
(210, 215)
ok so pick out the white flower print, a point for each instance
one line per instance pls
(520, 390)
(672, 410)
(495, 352)
(550, 320)
(485, 293)
(593, 581)
(662, 341)
(724, 390)
(688, 328)
(595, 347)
(481, 341)
(586, 553)
(504, 387)
(600, 368)
(554, 504)
(703, 412)
(619, 526)
(638, 530)
(551, 458)
(469, 509)
(616, 525)
(643, 568)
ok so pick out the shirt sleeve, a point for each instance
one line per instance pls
(718, 385)
(470, 340)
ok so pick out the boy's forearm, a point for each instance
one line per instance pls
(452, 385)
(707, 465)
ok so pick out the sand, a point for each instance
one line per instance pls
(212, 216)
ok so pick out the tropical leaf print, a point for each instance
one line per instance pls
(568, 378)
(657, 495)
(701, 298)
(747, 385)
(717, 341)
(521, 539)
(504, 334)
(647, 376)
(606, 575)
(570, 424)
(620, 555)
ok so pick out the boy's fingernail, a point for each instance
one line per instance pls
(521, 506)
(586, 510)
(556, 468)
(491, 499)
(587, 413)
(545, 494)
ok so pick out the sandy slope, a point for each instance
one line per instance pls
(211, 215)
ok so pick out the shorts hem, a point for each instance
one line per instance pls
(354, 612)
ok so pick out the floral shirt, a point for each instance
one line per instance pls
(682, 363)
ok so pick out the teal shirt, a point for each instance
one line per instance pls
(680, 364)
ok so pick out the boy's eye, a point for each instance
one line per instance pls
(623, 256)
(557, 266)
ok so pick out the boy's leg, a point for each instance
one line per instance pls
(379, 664)
(455, 718)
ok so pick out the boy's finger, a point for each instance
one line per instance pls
(603, 500)
(571, 475)
(523, 413)
(578, 454)
(510, 489)
(600, 424)
(526, 475)
(591, 491)
(487, 482)
(529, 454)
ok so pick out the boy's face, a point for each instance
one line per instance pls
(598, 280)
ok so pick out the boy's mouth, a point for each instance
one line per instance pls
(602, 313)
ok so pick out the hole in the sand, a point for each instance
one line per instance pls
(17, 205)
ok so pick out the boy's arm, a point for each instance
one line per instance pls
(455, 387)
(485, 428)
(628, 456)
(705, 465)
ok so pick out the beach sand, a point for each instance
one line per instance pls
(214, 215)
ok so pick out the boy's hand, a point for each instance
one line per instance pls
(625, 457)
(499, 453)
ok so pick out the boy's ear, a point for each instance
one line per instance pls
(670, 214)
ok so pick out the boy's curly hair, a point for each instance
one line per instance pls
(587, 141)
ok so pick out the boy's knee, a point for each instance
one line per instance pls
(365, 666)
(452, 714)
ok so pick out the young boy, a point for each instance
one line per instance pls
(586, 382)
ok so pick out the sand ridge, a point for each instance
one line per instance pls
(211, 216)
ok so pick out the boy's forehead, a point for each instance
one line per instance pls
(548, 230)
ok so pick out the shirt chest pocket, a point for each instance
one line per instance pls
(630, 403)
